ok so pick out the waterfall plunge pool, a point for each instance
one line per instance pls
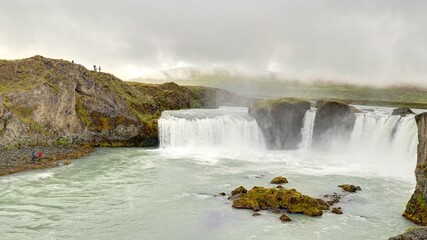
(168, 193)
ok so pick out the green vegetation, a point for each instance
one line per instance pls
(263, 198)
(399, 96)
(416, 209)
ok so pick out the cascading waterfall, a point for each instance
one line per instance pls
(391, 135)
(307, 130)
(226, 129)
(376, 135)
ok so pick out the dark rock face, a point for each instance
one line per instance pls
(280, 121)
(415, 234)
(416, 209)
(334, 120)
(402, 111)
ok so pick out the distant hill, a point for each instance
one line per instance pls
(274, 85)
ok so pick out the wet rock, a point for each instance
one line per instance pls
(333, 198)
(334, 121)
(262, 198)
(281, 121)
(222, 194)
(416, 208)
(256, 214)
(322, 204)
(279, 180)
(412, 234)
(239, 190)
(280, 187)
(402, 111)
(285, 218)
(336, 210)
(67, 162)
(350, 187)
(276, 211)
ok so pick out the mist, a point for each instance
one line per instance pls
(364, 42)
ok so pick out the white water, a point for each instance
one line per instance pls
(227, 129)
(307, 130)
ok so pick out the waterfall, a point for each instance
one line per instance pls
(307, 129)
(391, 135)
(228, 129)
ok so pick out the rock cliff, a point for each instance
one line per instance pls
(281, 121)
(48, 101)
(334, 121)
(413, 234)
(416, 209)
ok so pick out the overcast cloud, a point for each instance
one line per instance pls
(358, 41)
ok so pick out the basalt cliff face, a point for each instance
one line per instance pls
(416, 209)
(48, 101)
(334, 121)
(281, 121)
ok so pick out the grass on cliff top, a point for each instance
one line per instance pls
(26, 74)
(274, 102)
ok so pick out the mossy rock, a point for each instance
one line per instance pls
(336, 210)
(279, 180)
(239, 190)
(260, 198)
(350, 187)
(285, 218)
(67, 162)
(416, 209)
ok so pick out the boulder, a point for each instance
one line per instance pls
(334, 121)
(262, 198)
(239, 190)
(412, 234)
(350, 187)
(279, 180)
(280, 121)
(285, 218)
(322, 204)
(336, 210)
(416, 208)
(402, 111)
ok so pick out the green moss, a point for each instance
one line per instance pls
(416, 210)
(270, 103)
(82, 112)
(279, 180)
(64, 141)
(262, 198)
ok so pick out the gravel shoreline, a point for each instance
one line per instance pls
(18, 160)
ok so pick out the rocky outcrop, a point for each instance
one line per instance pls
(402, 111)
(260, 198)
(334, 121)
(413, 234)
(49, 101)
(416, 208)
(279, 180)
(280, 121)
(350, 188)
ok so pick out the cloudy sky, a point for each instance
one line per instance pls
(362, 41)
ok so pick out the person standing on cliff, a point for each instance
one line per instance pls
(94, 68)
(99, 68)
